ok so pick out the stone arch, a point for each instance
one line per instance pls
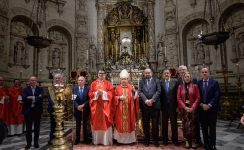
(190, 42)
(20, 52)
(60, 52)
(231, 20)
(66, 26)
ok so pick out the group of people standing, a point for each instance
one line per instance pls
(113, 112)
(11, 107)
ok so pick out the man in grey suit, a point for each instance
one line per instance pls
(169, 105)
(149, 91)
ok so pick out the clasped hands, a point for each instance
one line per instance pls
(149, 102)
(205, 107)
(81, 107)
(188, 109)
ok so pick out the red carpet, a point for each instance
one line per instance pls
(140, 146)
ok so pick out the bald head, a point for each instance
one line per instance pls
(81, 81)
(33, 81)
(205, 73)
(148, 73)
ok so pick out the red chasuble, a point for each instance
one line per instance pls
(126, 110)
(101, 110)
(4, 107)
(15, 111)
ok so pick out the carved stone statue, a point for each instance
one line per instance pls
(56, 57)
(19, 53)
(92, 56)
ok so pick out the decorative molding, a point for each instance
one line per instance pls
(60, 23)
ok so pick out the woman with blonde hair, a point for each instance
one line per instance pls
(188, 97)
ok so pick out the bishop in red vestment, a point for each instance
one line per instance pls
(127, 106)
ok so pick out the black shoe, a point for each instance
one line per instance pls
(176, 143)
(213, 148)
(206, 147)
(27, 147)
(146, 143)
(36, 145)
(76, 142)
(165, 142)
(199, 143)
(156, 144)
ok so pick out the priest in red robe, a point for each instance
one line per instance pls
(4, 102)
(102, 110)
(127, 104)
(16, 118)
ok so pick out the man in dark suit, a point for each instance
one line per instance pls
(209, 106)
(32, 109)
(149, 92)
(169, 105)
(82, 110)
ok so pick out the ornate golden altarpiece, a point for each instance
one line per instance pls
(125, 41)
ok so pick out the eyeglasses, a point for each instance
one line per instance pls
(101, 73)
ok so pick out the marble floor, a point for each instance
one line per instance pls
(228, 138)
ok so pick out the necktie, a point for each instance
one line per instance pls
(81, 92)
(167, 86)
(205, 85)
(33, 100)
(148, 82)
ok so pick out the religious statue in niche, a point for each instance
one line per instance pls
(125, 46)
(161, 54)
(19, 53)
(92, 56)
(241, 44)
(200, 54)
(56, 57)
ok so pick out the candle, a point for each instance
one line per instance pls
(87, 55)
(112, 81)
(238, 70)
(20, 74)
(138, 82)
(165, 51)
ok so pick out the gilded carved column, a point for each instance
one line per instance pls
(101, 10)
(82, 42)
(4, 6)
(151, 35)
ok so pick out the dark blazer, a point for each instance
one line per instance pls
(213, 94)
(27, 102)
(150, 93)
(171, 97)
(81, 100)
